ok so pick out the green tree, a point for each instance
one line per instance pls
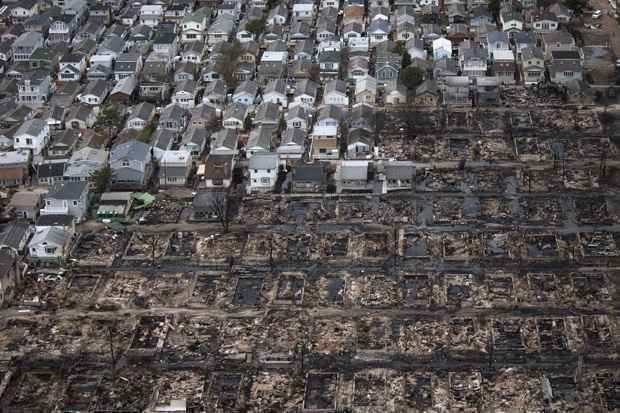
(494, 6)
(411, 76)
(100, 177)
(406, 59)
(228, 62)
(109, 118)
(256, 27)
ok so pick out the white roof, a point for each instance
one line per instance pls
(269, 56)
(14, 157)
(503, 55)
(303, 6)
(175, 157)
(442, 43)
(327, 130)
(152, 9)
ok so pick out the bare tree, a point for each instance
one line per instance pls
(220, 207)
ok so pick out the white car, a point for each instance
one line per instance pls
(597, 14)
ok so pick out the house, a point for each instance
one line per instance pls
(25, 204)
(33, 135)
(366, 90)
(396, 94)
(324, 142)
(50, 173)
(95, 92)
(185, 94)
(532, 65)
(358, 67)
(68, 198)
(505, 71)
(124, 91)
(557, 41)
(387, 66)
(456, 91)
(511, 21)
(245, 93)
(140, 116)
(378, 31)
(565, 71)
(497, 41)
(126, 65)
(301, 31)
(220, 30)
(544, 21)
(194, 141)
(112, 46)
(353, 14)
(161, 141)
(184, 71)
(487, 89)
(165, 43)
(415, 48)
(278, 15)
(99, 72)
(293, 144)
(173, 117)
(353, 30)
(62, 28)
(360, 144)
(267, 113)
(354, 176)
(523, 40)
(151, 15)
(23, 10)
(304, 50)
(224, 142)
(131, 165)
(405, 31)
(396, 176)
(80, 116)
(298, 117)
(335, 93)
(101, 13)
(24, 46)
(63, 144)
(34, 89)
(473, 61)
(561, 12)
(84, 162)
(326, 29)
(427, 94)
(306, 92)
(303, 10)
(204, 116)
(13, 168)
(235, 116)
(218, 171)
(174, 168)
(93, 30)
(275, 92)
(215, 93)
(263, 169)
(194, 25)
(50, 245)
(329, 63)
(309, 179)
(72, 67)
(130, 17)
(259, 141)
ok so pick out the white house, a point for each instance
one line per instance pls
(34, 134)
(263, 169)
(67, 198)
(49, 244)
(151, 14)
(335, 93)
(442, 48)
(303, 11)
(275, 92)
(174, 167)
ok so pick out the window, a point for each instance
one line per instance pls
(568, 74)
(28, 141)
(125, 163)
(50, 250)
(48, 203)
(265, 180)
(75, 203)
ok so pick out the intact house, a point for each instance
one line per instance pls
(63, 144)
(67, 198)
(245, 93)
(50, 173)
(185, 94)
(194, 141)
(217, 171)
(151, 15)
(557, 41)
(194, 25)
(25, 204)
(354, 176)
(50, 244)
(306, 92)
(456, 91)
(81, 116)
(220, 30)
(263, 169)
(511, 21)
(427, 94)
(267, 114)
(34, 89)
(565, 71)
(298, 117)
(13, 168)
(275, 92)
(23, 10)
(309, 178)
(174, 168)
(532, 65)
(366, 90)
(25, 45)
(224, 142)
(131, 165)
(72, 67)
(259, 142)
(95, 92)
(126, 65)
(84, 162)
(235, 116)
(32, 135)
(292, 144)
(204, 116)
(335, 93)
(396, 176)
(173, 117)
(140, 116)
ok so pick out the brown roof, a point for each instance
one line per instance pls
(13, 173)
(219, 167)
(25, 199)
(354, 11)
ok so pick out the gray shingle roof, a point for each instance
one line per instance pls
(67, 190)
